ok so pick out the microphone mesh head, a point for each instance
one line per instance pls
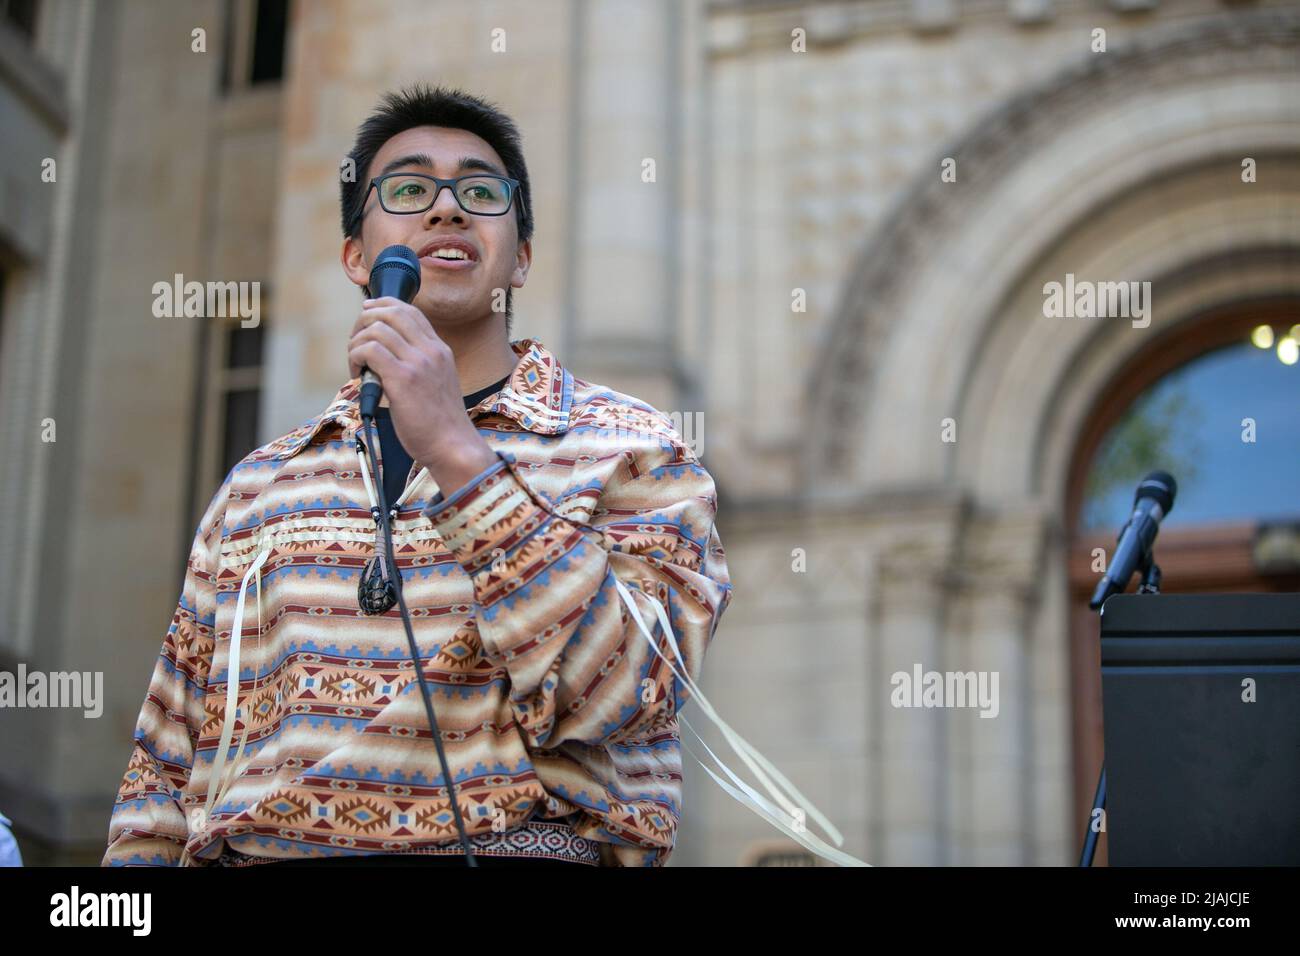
(1160, 486)
(400, 263)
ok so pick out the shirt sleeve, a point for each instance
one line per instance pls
(148, 825)
(550, 611)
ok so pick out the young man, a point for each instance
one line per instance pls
(532, 513)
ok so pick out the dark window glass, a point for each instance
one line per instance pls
(244, 346)
(240, 430)
(268, 40)
(21, 15)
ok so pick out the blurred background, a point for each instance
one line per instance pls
(837, 268)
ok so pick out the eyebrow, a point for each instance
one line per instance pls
(424, 159)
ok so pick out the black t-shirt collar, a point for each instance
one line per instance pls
(470, 400)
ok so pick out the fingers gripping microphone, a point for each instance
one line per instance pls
(1154, 500)
(395, 273)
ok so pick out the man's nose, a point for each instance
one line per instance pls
(444, 206)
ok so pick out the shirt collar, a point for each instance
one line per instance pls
(537, 397)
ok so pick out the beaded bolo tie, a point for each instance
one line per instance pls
(377, 589)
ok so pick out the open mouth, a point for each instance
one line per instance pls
(438, 262)
(449, 254)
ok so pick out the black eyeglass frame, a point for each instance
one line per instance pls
(515, 187)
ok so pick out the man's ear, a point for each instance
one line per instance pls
(354, 262)
(523, 260)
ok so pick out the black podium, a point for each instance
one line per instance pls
(1197, 776)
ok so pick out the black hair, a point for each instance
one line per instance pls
(421, 105)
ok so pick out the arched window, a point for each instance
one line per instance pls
(1215, 403)
(1226, 425)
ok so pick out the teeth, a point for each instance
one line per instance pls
(450, 254)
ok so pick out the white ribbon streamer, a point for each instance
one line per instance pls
(748, 753)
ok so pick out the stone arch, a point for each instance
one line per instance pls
(1125, 166)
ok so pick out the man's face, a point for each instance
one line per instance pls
(451, 293)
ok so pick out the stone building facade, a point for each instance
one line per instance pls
(910, 172)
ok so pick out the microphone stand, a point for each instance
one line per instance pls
(1150, 584)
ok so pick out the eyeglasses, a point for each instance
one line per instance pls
(479, 194)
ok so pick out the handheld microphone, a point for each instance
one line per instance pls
(1154, 499)
(395, 273)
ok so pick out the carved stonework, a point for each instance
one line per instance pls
(767, 23)
(843, 370)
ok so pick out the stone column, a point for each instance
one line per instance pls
(627, 229)
(908, 766)
(991, 758)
